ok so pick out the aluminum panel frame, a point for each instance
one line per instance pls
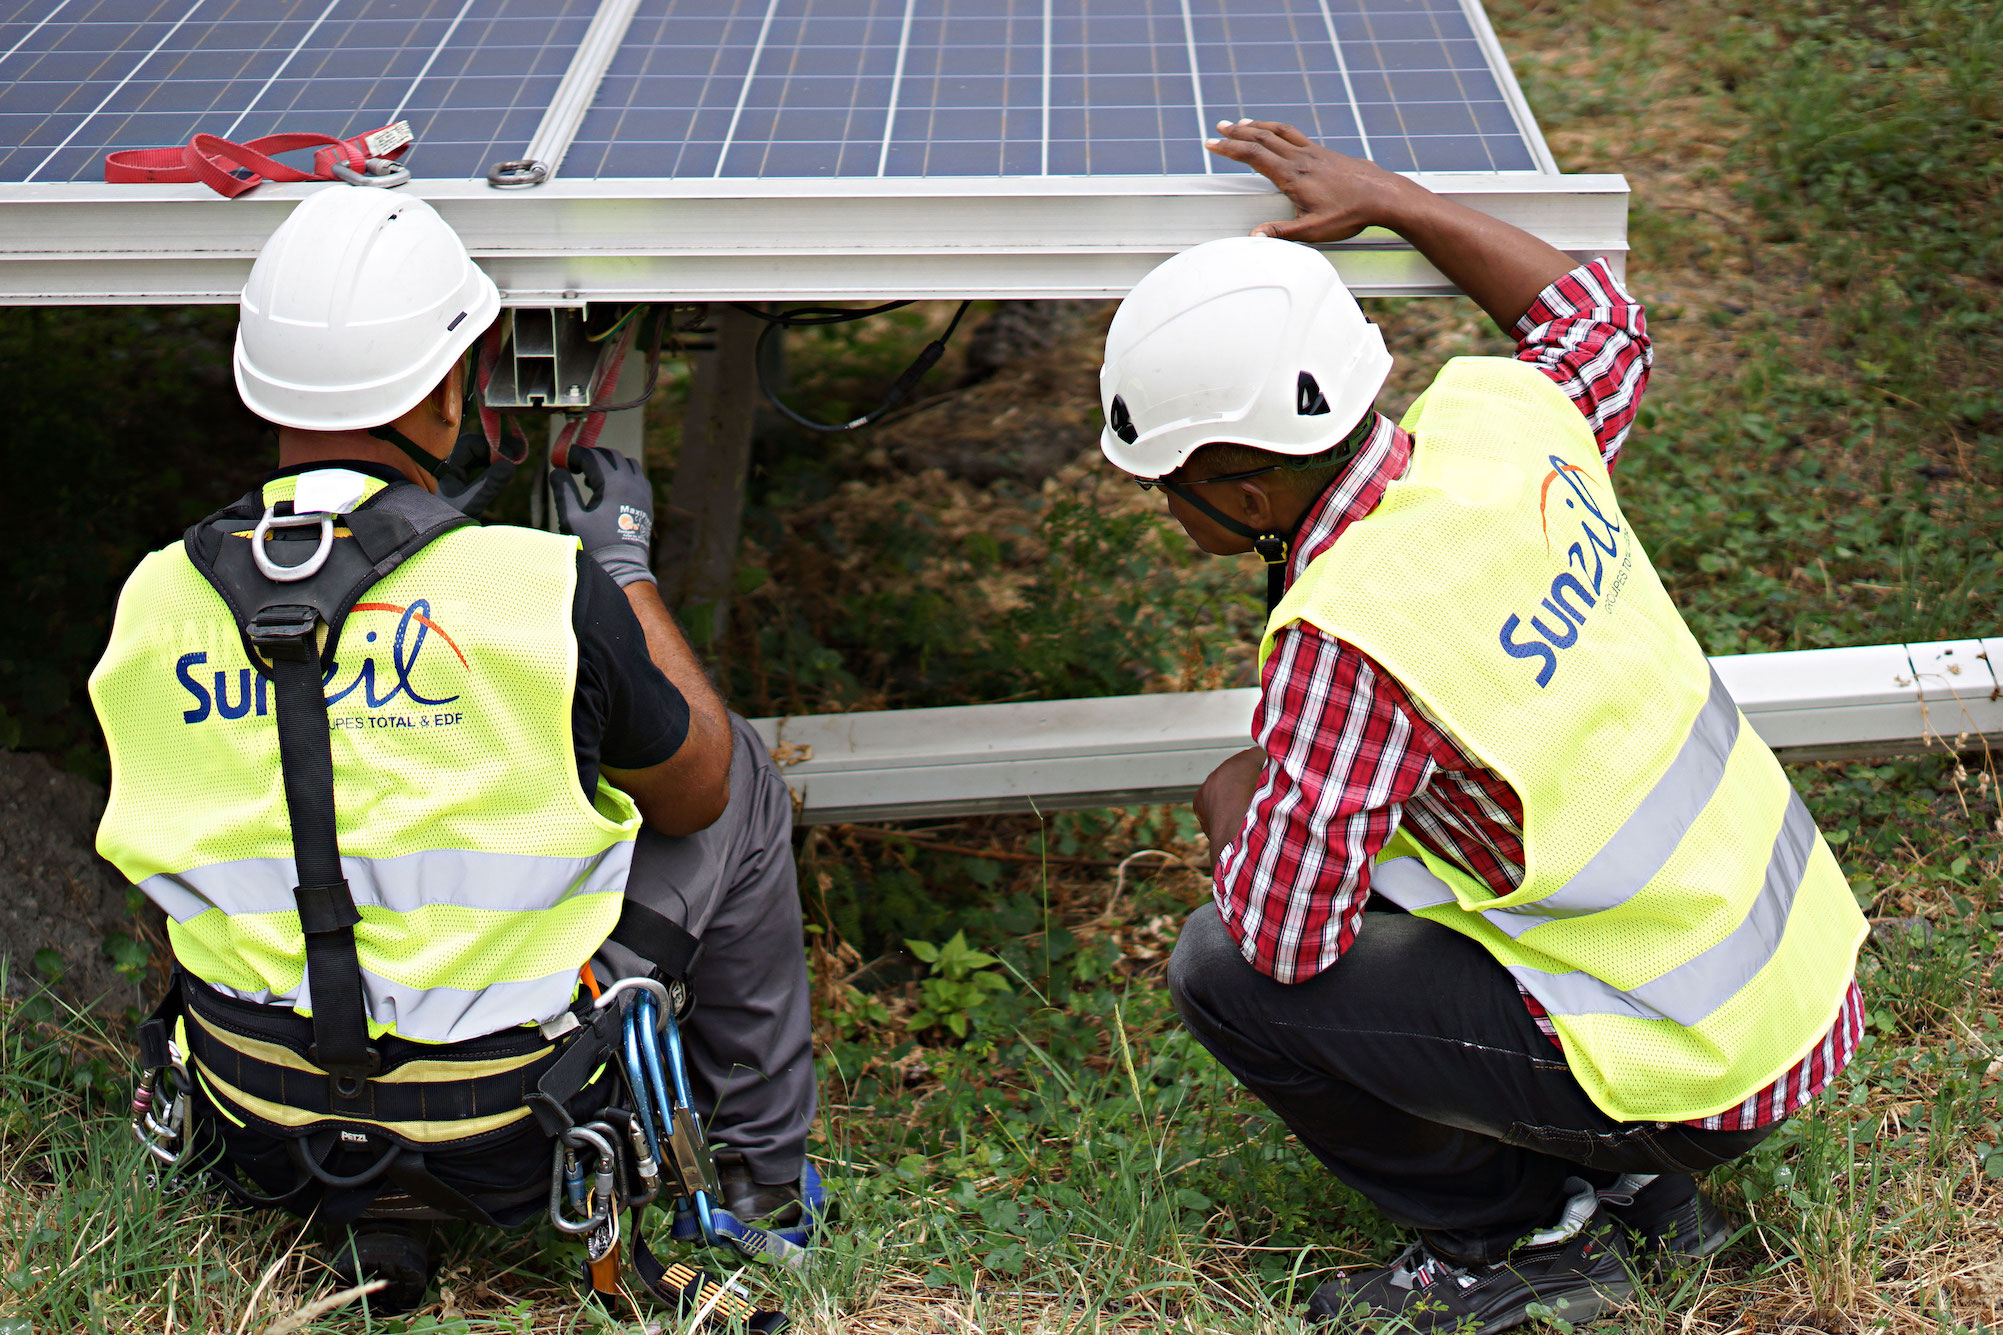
(569, 242)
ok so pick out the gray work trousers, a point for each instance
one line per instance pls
(749, 1040)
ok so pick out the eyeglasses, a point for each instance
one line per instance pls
(1170, 484)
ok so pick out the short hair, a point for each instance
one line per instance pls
(1299, 475)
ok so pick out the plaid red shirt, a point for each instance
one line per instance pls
(1350, 757)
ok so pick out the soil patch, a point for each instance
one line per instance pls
(56, 893)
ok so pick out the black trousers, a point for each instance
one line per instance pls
(1412, 1069)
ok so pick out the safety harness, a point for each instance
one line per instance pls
(602, 1088)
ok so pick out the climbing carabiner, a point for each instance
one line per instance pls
(566, 1181)
(656, 990)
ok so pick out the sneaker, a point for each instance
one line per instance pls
(394, 1251)
(1577, 1271)
(1670, 1219)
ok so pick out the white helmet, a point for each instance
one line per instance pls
(357, 307)
(1249, 340)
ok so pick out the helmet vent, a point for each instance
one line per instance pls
(1122, 424)
(1308, 398)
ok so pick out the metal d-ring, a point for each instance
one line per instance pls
(658, 991)
(517, 173)
(305, 569)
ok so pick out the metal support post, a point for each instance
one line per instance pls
(705, 521)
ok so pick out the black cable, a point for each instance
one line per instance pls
(653, 341)
(809, 317)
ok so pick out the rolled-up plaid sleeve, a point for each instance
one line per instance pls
(1591, 338)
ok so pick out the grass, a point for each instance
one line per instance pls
(1817, 234)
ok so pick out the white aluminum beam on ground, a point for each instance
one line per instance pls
(573, 241)
(1127, 750)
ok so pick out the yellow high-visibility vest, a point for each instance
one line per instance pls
(483, 875)
(1680, 916)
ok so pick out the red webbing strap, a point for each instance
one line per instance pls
(582, 433)
(215, 161)
(490, 421)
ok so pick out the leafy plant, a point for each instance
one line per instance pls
(962, 981)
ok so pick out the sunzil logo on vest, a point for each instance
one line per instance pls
(1585, 584)
(392, 671)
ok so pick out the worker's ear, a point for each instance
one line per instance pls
(1255, 505)
(448, 400)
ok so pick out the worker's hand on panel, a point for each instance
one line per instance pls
(1334, 195)
(1225, 797)
(617, 527)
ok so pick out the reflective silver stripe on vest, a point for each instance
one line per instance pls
(443, 1014)
(1647, 839)
(507, 882)
(1686, 993)
(1697, 987)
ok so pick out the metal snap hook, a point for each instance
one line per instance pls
(305, 569)
(379, 172)
(517, 173)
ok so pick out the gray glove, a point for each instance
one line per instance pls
(617, 528)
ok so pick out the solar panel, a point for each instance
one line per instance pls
(803, 88)
(737, 89)
(759, 150)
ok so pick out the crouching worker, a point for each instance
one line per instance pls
(1517, 924)
(482, 906)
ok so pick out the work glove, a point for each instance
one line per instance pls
(617, 528)
(458, 487)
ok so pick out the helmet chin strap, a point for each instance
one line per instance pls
(1272, 547)
(420, 456)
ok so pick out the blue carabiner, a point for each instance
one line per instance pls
(672, 1031)
(659, 1075)
(636, 1076)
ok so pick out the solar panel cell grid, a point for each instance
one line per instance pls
(763, 88)
(130, 73)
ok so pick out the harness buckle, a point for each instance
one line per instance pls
(348, 1079)
(284, 631)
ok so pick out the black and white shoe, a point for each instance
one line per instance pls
(1670, 1219)
(1578, 1270)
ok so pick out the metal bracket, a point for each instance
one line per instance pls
(547, 361)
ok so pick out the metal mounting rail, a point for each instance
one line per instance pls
(567, 242)
(580, 84)
(1128, 750)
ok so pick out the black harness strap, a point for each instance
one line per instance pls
(280, 624)
(567, 1076)
(286, 635)
(659, 940)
